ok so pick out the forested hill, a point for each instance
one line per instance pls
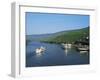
(62, 37)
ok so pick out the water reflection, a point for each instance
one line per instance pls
(66, 51)
(84, 53)
(39, 54)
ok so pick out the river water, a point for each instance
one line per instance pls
(54, 55)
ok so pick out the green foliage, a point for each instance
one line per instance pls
(63, 37)
(68, 36)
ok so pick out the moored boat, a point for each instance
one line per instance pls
(83, 49)
(66, 46)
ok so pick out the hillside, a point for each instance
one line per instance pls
(68, 36)
(61, 37)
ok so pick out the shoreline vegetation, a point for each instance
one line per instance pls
(78, 38)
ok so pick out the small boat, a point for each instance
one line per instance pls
(40, 50)
(69, 45)
(82, 52)
(66, 46)
(83, 49)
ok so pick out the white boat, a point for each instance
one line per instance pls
(66, 46)
(83, 49)
(69, 45)
(40, 50)
(82, 52)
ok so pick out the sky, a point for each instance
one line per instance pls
(44, 23)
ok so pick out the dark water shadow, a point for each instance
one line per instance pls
(31, 54)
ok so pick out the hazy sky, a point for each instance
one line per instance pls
(41, 23)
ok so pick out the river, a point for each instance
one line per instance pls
(54, 55)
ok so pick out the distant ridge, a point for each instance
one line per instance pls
(62, 36)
